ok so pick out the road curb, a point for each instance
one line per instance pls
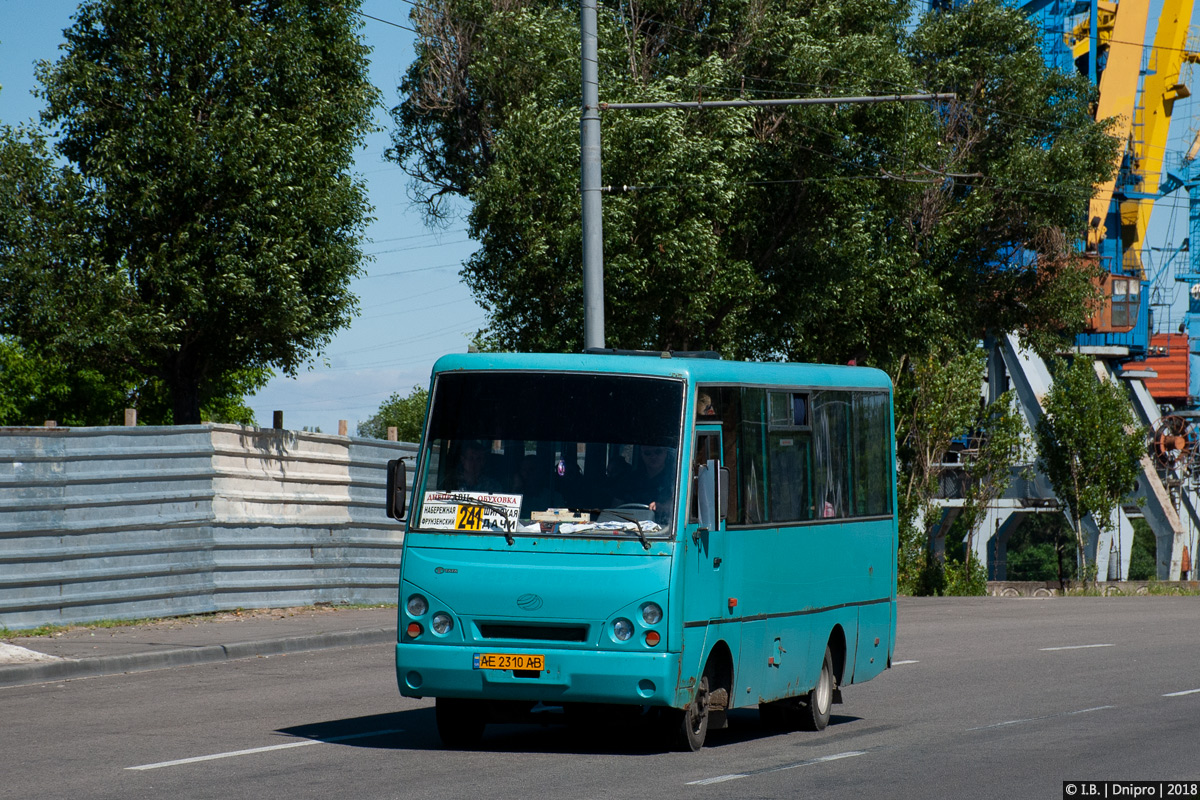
(65, 669)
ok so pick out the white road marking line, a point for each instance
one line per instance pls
(1075, 647)
(718, 779)
(821, 760)
(1038, 719)
(808, 763)
(910, 661)
(1181, 694)
(287, 746)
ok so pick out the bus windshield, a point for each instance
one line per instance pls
(550, 453)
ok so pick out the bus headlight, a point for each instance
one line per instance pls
(417, 606)
(442, 623)
(623, 629)
(651, 613)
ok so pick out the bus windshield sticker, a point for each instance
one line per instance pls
(470, 511)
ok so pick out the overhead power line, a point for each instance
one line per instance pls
(786, 101)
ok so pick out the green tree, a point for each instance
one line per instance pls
(35, 387)
(1091, 447)
(203, 226)
(1042, 548)
(406, 414)
(937, 399)
(809, 233)
(1144, 552)
(1001, 443)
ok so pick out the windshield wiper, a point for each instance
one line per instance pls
(596, 512)
(467, 500)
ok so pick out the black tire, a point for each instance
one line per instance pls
(819, 701)
(691, 724)
(460, 723)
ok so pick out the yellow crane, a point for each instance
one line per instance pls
(1142, 128)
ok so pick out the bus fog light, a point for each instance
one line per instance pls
(442, 623)
(652, 638)
(414, 630)
(417, 606)
(651, 613)
(623, 629)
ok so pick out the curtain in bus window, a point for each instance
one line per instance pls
(831, 449)
(752, 436)
(871, 460)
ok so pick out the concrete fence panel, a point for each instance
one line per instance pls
(116, 523)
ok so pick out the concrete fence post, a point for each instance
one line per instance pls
(393, 434)
(343, 426)
(131, 418)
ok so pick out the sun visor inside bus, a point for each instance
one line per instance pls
(557, 407)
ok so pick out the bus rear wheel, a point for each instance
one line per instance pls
(460, 723)
(819, 702)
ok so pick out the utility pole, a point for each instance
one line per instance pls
(589, 183)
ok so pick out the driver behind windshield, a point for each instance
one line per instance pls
(651, 482)
(469, 473)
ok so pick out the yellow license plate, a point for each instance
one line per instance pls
(522, 661)
(469, 518)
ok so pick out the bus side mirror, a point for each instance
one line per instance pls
(712, 494)
(397, 488)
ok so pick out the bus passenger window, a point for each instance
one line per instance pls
(831, 452)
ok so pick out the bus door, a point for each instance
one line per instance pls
(705, 600)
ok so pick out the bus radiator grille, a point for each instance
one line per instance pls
(534, 633)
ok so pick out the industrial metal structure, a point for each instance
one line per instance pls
(1138, 85)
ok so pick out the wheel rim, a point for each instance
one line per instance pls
(698, 710)
(824, 693)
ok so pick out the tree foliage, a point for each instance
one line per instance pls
(200, 224)
(809, 233)
(1001, 442)
(937, 399)
(406, 414)
(1091, 446)
(36, 386)
(937, 403)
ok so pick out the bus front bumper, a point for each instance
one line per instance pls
(569, 676)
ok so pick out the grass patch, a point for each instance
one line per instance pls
(1158, 588)
(1153, 588)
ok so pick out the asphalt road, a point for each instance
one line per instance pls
(1000, 698)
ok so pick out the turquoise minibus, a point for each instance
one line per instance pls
(668, 534)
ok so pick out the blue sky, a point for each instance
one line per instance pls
(413, 306)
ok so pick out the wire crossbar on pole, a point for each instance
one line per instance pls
(787, 101)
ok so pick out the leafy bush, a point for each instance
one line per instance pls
(407, 414)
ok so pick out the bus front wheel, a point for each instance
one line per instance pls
(815, 714)
(460, 722)
(692, 722)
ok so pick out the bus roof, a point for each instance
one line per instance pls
(693, 370)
